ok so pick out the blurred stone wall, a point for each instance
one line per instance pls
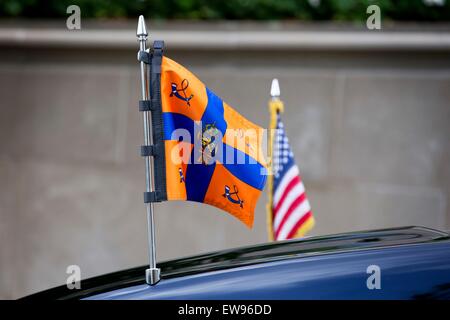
(370, 130)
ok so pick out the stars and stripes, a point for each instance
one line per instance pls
(291, 210)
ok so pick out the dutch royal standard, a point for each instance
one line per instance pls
(210, 153)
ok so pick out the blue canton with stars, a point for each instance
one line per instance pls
(283, 157)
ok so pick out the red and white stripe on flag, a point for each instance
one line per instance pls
(291, 211)
(291, 208)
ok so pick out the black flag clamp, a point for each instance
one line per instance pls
(153, 60)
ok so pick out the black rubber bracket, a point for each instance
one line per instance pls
(149, 151)
(146, 105)
(153, 196)
(144, 57)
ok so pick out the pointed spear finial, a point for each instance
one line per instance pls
(275, 104)
(275, 88)
(141, 28)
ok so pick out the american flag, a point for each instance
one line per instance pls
(291, 211)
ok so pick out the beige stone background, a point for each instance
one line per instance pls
(367, 114)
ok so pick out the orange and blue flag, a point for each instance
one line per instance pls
(212, 154)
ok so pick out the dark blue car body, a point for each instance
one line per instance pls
(413, 262)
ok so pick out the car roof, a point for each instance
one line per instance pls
(262, 253)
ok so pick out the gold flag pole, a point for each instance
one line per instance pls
(275, 106)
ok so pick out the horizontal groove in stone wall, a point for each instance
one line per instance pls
(230, 40)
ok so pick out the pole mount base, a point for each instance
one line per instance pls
(152, 276)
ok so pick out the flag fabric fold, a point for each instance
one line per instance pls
(212, 154)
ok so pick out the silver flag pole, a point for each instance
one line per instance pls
(152, 274)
